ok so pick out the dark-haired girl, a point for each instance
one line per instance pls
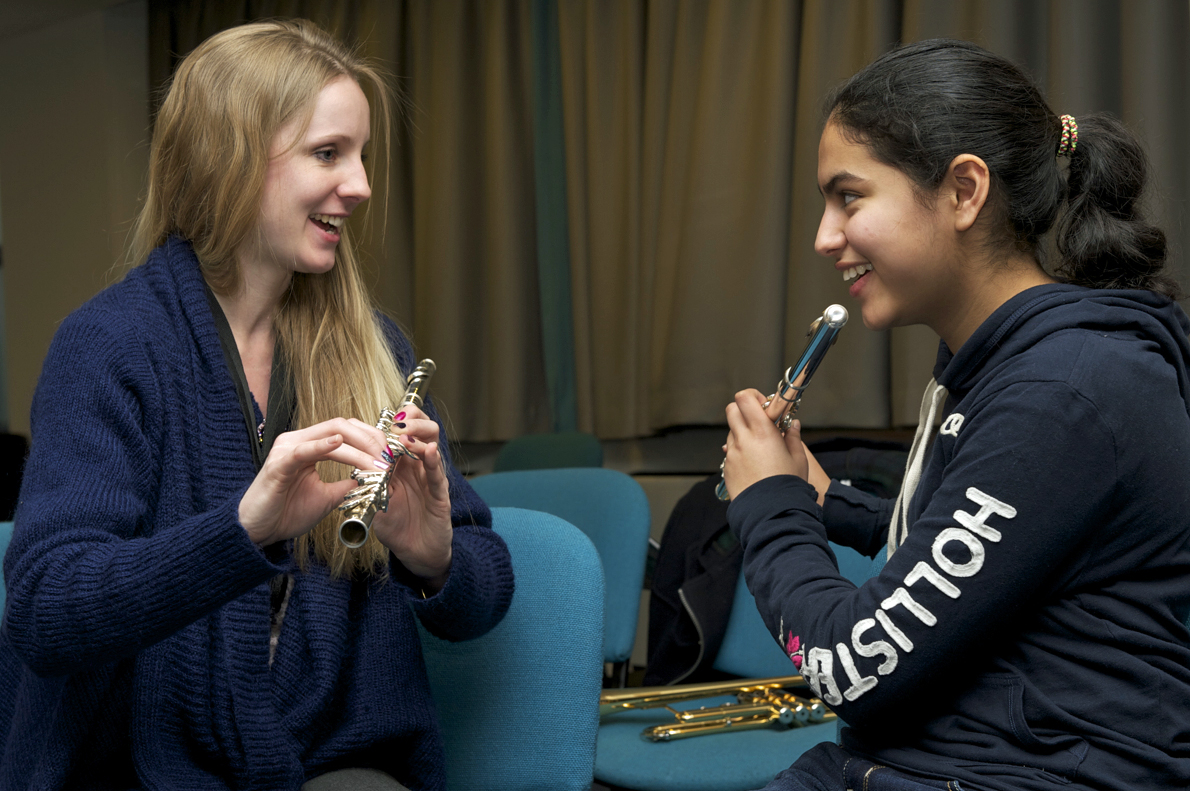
(1028, 630)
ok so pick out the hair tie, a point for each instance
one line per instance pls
(1069, 135)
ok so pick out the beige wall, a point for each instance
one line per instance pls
(74, 127)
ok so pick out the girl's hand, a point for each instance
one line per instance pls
(818, 477)
(417, 528)
(755, 449)
(793, 442)
(287, 497)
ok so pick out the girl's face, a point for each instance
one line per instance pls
(896, 255)
(313, 185)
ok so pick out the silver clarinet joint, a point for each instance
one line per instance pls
(782, 405)
(370, 496)
(417, 383)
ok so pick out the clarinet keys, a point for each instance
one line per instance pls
(783, 404)
(370, 496)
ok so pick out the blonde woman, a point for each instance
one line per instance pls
(180, 612)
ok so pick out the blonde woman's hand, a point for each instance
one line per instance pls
(417, 527)
(755, 449)
(287, 497)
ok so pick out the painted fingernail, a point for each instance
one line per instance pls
(400, 416)
(388, 455)
(399, 425)
(380, 464)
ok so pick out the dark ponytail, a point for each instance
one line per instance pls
(919, 106)
(1103, 239)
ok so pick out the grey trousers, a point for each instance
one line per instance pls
(353, 780)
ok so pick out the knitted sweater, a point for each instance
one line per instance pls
(135, 641)
(1029, 634)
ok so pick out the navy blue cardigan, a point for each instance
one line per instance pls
(135, 641)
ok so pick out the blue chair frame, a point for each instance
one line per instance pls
(519, 706)
(612, 509)
(5, 539)
(544, 451)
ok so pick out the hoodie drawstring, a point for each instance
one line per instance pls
(931, 401)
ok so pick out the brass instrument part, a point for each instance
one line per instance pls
(666, 733)
(787, 710)
(761, 702)
(611, 700)
(370, 497)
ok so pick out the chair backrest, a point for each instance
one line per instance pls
(612, 509)
(5, 538)
(748, 649)
(546, 451)
(519, 706)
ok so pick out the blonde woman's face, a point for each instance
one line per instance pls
(312, 187)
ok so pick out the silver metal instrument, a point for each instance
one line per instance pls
(782, 405)
(362, 503)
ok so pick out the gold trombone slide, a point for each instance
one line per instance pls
(762, 702)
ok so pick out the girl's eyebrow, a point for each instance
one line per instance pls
(832, 186)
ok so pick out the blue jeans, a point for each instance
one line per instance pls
(827, 767)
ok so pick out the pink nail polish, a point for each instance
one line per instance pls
(382, 465)
(400, 416)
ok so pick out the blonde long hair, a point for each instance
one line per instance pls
(225, 105)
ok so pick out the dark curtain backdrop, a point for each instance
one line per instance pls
(674, 193)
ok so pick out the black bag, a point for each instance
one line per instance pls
(698, 565)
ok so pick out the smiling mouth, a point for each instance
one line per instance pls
(856, 271)
(328, 223)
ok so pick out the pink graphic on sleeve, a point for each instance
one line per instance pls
(793, 648)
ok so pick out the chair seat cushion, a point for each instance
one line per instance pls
(726, 761)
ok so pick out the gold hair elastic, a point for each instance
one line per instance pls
(1069, 140)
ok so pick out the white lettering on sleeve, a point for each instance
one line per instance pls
(899, 637)
(925, 571)
(874, 648)
(972, 543)
(859, 684)
(901, 596)
(820, 672)
(988, 505)
(952, 425)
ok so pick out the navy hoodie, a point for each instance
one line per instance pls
(1030, 631)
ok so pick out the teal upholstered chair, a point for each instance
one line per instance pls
(519, 707)
(549, 451)
(5, 537)
(612, 509)
(725, 761)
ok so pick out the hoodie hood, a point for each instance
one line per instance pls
(1039, 312)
